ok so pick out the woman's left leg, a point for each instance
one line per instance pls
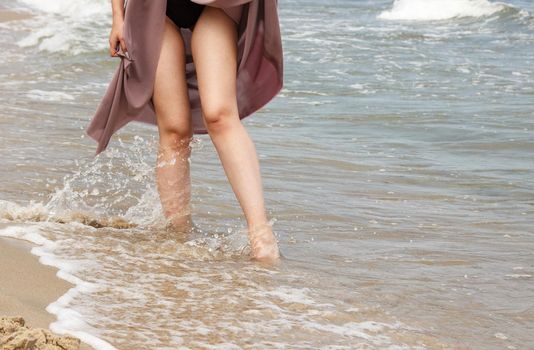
(214, 49)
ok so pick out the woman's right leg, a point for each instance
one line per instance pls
(173, 112)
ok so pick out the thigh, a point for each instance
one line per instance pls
(214, 49)
(171, 99)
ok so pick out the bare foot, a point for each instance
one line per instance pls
(263, 244)
(181, 221)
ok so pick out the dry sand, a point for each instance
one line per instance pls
(26, 289)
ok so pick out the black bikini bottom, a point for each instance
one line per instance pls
(184, 13)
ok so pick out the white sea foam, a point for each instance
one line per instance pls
(429, 10)
(67, 26)
(49, 95)
(72, 322)
(73, 8)
(27, 233)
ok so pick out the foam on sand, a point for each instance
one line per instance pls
(69, 323)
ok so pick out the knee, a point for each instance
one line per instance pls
(175, 136)
(220, 118)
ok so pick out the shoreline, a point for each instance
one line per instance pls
(27, 287)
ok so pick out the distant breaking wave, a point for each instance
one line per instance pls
(73, 26)
(429, 10)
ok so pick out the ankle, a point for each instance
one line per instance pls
(259, 229)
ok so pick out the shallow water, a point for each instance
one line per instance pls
(397, 164)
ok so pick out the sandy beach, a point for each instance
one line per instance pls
(27, 288)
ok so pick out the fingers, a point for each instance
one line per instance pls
(123, 44)
(112, 50)
(113, 41)
(116, 40)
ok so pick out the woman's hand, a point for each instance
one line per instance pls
(116, 37)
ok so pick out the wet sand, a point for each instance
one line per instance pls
(27, 286)
(6, 15)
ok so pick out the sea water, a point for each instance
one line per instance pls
(397, 165)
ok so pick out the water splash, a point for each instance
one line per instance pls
(102, 192)
(117, 190)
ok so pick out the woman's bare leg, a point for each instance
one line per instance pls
(175, 129)
(214, 48)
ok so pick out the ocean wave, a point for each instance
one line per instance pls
(66, 26)
(431, 10)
